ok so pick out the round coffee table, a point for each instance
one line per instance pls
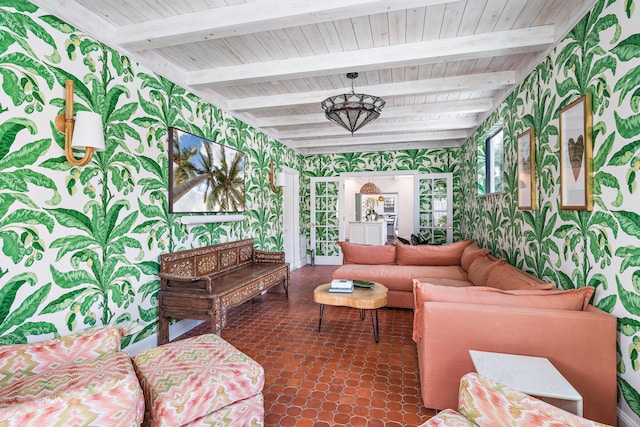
(361, 298)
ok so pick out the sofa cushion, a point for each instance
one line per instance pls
(356, 253)
(480, 269)
(397, 277)
(20, 360)
(191, 378)
(448, 418)
(445, 281)
(486, 402)
(101, 391)
(470, 253)
(431, 254)
(508, 277)
(556, 299)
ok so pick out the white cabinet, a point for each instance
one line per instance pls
(368, 232)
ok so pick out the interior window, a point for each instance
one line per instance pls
(491, 162)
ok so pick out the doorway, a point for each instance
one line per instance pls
(291, 217)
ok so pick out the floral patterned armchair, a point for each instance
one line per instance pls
(80, 379)
(484, 402)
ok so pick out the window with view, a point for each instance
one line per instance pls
(491, 162)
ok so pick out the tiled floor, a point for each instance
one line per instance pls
(338, 377)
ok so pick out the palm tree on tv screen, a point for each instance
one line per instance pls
(225, 181)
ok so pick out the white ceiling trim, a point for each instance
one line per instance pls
(433, 136)
(458, 107)
(381, 128)
(257, 16)
(474, 82)
(430, 52)
(351, 146)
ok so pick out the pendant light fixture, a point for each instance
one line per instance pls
(370, 188)
(352, 110)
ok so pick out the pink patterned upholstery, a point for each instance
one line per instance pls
(448, 418)
(80, 379)
(200, 380)
(484, 402)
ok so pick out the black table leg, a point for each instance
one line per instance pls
(376, 326)
(320, 321)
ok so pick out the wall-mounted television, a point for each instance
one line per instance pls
(204, 176)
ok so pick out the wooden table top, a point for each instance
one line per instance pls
(363, 298)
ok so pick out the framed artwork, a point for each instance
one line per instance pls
(204, 176)
(526, 170)
(575, 155)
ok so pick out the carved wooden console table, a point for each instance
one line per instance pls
(203, 283)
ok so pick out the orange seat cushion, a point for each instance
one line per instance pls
(431, 254)
(356, 253)
(508, 277)
(480, 269)
(470, 254)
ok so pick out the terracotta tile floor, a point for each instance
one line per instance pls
(338, 377)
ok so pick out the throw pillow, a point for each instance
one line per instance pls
(355, 253)
(470, 253)
(480, 269)
(508, 277)
(431, 255)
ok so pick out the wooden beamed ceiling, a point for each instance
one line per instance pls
(441, 65)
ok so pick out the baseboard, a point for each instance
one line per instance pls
(175, 330)
(627, 420)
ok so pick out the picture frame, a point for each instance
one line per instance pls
(526, 170)
(204, 176)
(576, 155)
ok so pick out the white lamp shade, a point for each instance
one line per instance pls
(281, 179)
(88, 131)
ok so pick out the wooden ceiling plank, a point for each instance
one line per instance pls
(251, 17)
(436, 51)
(415, 19)
(471, 17)
(512, 10)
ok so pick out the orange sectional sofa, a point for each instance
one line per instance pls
(465, 299)
(396, 266)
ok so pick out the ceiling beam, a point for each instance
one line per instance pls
(380, 139)
(498, 43)
(458, 107)
(253, 17)
(368, 148)
(379, 128)
(472, 82)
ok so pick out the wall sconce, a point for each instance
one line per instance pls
(280, 179)
(85, 131)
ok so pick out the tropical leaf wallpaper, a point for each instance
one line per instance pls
(599, 248)
(79, 246)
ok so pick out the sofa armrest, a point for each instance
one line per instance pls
(580, 344)
(269, 257)
(25, 359)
